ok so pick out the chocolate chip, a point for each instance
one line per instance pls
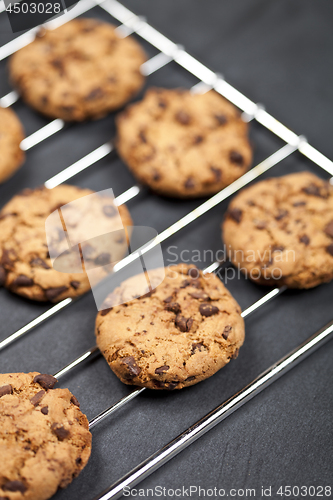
(2, 276)
(22, 280)
(38, 262)
(168, 299)
(142, 136)
(6, 389)
(235, 214)
(45, 380)
(58, 65)
(199, 295)
(183, 324)
(53, 293)
(278, 248)
(299, 203)
(281, 214)
(104, 312)
(189, 183)
(236, 157)
(60, 431)
(198, 139)
(132, 367)
(148, 294)
(96, 93)
(75, 401)
(208, 310)
(304, 239)
(189, 324)
(183, 117)
(45, 410)
(75, 284)
(193, 272)
(162, 103)
(226, 331)
(14, 486)
(261, 224)
(109, 210)
(235, 354)
(171, 386)
(222, 119)
(195, 346)
(217, 173)
(103, 259)
(189, 379)
(173, 307)
(329, 249)
(78, 461)
(156, 176)
(163, 385)
(35, 400)
(329, 229)
(162, 369)
(68, 109)
(5, 259)
(312, 190)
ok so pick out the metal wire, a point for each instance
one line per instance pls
(216, 416)
(208, 79)
(251, 175)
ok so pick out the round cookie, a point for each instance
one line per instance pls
(11, 135)
(280, 231)
(174, 336)
(44, 437)
(183, 144)
(78, 71)
(25, 263)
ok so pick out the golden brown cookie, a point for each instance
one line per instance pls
(178, 334)
(280, 231)
(44, 437)
(79, 71)
(184, 144)
(25, 264)
(11, 135)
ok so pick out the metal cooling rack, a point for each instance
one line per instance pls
(207, 79)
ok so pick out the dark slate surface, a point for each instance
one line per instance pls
(277, 53)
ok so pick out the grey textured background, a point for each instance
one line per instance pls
(278, 53)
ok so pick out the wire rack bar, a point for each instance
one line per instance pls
(251, 309)
(251, 175)
(79, 165)
(37, 321)
(123, 198)
(204, 74)
(216, 416)
(133, 394)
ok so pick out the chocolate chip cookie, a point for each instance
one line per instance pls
(79, 71)
(44, 437)
(11, 135)
(280, 231)
(71, 258)
(183, 144)
(173, 336)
